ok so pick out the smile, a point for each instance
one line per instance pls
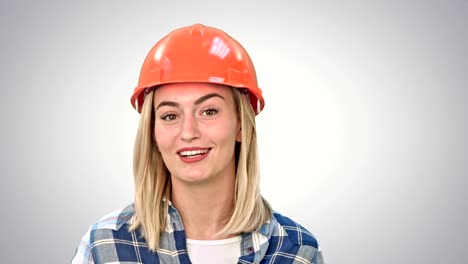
(190, 154)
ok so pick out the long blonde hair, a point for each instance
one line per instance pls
(153, 183)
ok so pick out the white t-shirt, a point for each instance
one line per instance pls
(224, 251)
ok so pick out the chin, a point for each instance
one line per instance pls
(192, 178)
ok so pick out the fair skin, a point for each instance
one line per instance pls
(196, 128)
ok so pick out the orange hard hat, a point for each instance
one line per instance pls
(198, 54)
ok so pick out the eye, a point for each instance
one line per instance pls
(209, 112)
(168, 117)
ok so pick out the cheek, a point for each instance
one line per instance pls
(163, 138)
(226, 132)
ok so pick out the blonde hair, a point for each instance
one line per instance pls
(153, 183)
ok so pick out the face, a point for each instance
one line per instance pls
(196, 128)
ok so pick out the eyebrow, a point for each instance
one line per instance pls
(197, 102)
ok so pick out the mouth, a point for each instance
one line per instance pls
(191, 154)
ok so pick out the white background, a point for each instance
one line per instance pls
(362, 140)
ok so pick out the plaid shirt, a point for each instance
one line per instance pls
(281, 241)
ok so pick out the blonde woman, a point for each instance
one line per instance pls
(197, 197)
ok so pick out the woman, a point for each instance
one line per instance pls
(197, 197)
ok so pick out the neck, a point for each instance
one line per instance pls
(204, 208)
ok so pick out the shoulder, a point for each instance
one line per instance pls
(285, 228)
(115, 220)
(102, 229)
(283, 240)
(110, 225)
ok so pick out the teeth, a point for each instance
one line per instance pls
(193, 152)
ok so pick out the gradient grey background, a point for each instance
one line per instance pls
(363, 138)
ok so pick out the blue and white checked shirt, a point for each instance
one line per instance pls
(280, 241)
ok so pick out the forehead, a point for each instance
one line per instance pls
(189, 91)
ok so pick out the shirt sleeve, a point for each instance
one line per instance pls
(83, 254)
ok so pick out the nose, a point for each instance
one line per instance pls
(189, 129)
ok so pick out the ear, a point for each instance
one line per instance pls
(154, 140)
(239, 133)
